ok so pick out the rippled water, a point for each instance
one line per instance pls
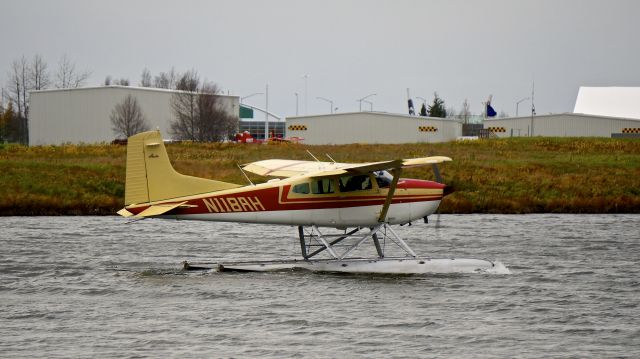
(96, 287)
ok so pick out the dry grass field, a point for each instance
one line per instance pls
(515, 175)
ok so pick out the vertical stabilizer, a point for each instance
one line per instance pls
(150, 176)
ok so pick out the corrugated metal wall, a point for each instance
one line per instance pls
(561, 125)
(371, 127)
(82, 115)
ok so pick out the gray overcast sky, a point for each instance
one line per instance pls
(461, 49)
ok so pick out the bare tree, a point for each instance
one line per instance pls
(39, 74)
(189, 81)
(122, 82)
(165, 80)
(127, 118)
(19, 85)
(185, 107)
(67, 76)
(145, 78)
(107, 80)
(200, 116)
(215, 123)
(451, 112)
(25, 76)
(465, 112)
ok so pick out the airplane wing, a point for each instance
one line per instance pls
(291, 168)
(286, 168)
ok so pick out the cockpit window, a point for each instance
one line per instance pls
(302, 188)
(322, 186)
(383, 178)
(354, 183)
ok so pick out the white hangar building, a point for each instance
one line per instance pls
(599, 112)
(82, 115)
(372, 128)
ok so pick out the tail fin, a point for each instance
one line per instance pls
(150, 176)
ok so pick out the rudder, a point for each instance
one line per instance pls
(150, 176)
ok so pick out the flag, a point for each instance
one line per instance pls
(412, 111)
(490, 111)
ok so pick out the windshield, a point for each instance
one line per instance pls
(354, 183)
(383, 178)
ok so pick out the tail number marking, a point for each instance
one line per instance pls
(233, 204)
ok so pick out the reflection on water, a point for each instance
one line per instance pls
(94, 286)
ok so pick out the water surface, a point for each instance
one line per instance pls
(94, 286)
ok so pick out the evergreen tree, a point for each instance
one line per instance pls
(10, 125)
(437, 109)
(423, 110)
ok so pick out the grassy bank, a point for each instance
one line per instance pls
(516, 175)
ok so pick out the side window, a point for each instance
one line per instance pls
(322, 186)
(355, 183)
(302, 188)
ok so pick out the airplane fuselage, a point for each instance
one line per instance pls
(303, 202)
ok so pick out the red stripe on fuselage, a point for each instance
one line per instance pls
(276, 199)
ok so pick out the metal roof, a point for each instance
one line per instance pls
(135, 88)
(619, 102)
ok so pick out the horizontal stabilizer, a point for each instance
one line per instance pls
(159, 209)
(154, 210)
(124, 213)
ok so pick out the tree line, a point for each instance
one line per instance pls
(437, 109)
(26, 75)
(199, 113)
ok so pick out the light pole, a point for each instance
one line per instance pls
(518, 103)
(295, 93)
(370, 105)
(329, 101)
(266, 114)
(253, 94)
(424, 103)
(364, 98)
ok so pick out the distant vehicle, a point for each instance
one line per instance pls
(245, 137)
(362, 200)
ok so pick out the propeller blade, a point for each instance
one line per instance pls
(436, 172)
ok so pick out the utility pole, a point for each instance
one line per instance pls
(266, 114)
(296, 103)
(533, 107)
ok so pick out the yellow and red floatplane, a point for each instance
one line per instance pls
(337, 207)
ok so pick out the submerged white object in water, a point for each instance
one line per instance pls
(364, 265)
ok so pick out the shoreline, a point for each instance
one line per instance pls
(496, 176)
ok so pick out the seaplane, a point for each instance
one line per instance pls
(336, 207)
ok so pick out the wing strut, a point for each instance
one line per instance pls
(392, 189)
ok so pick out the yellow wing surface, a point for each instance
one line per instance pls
(292, 168)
